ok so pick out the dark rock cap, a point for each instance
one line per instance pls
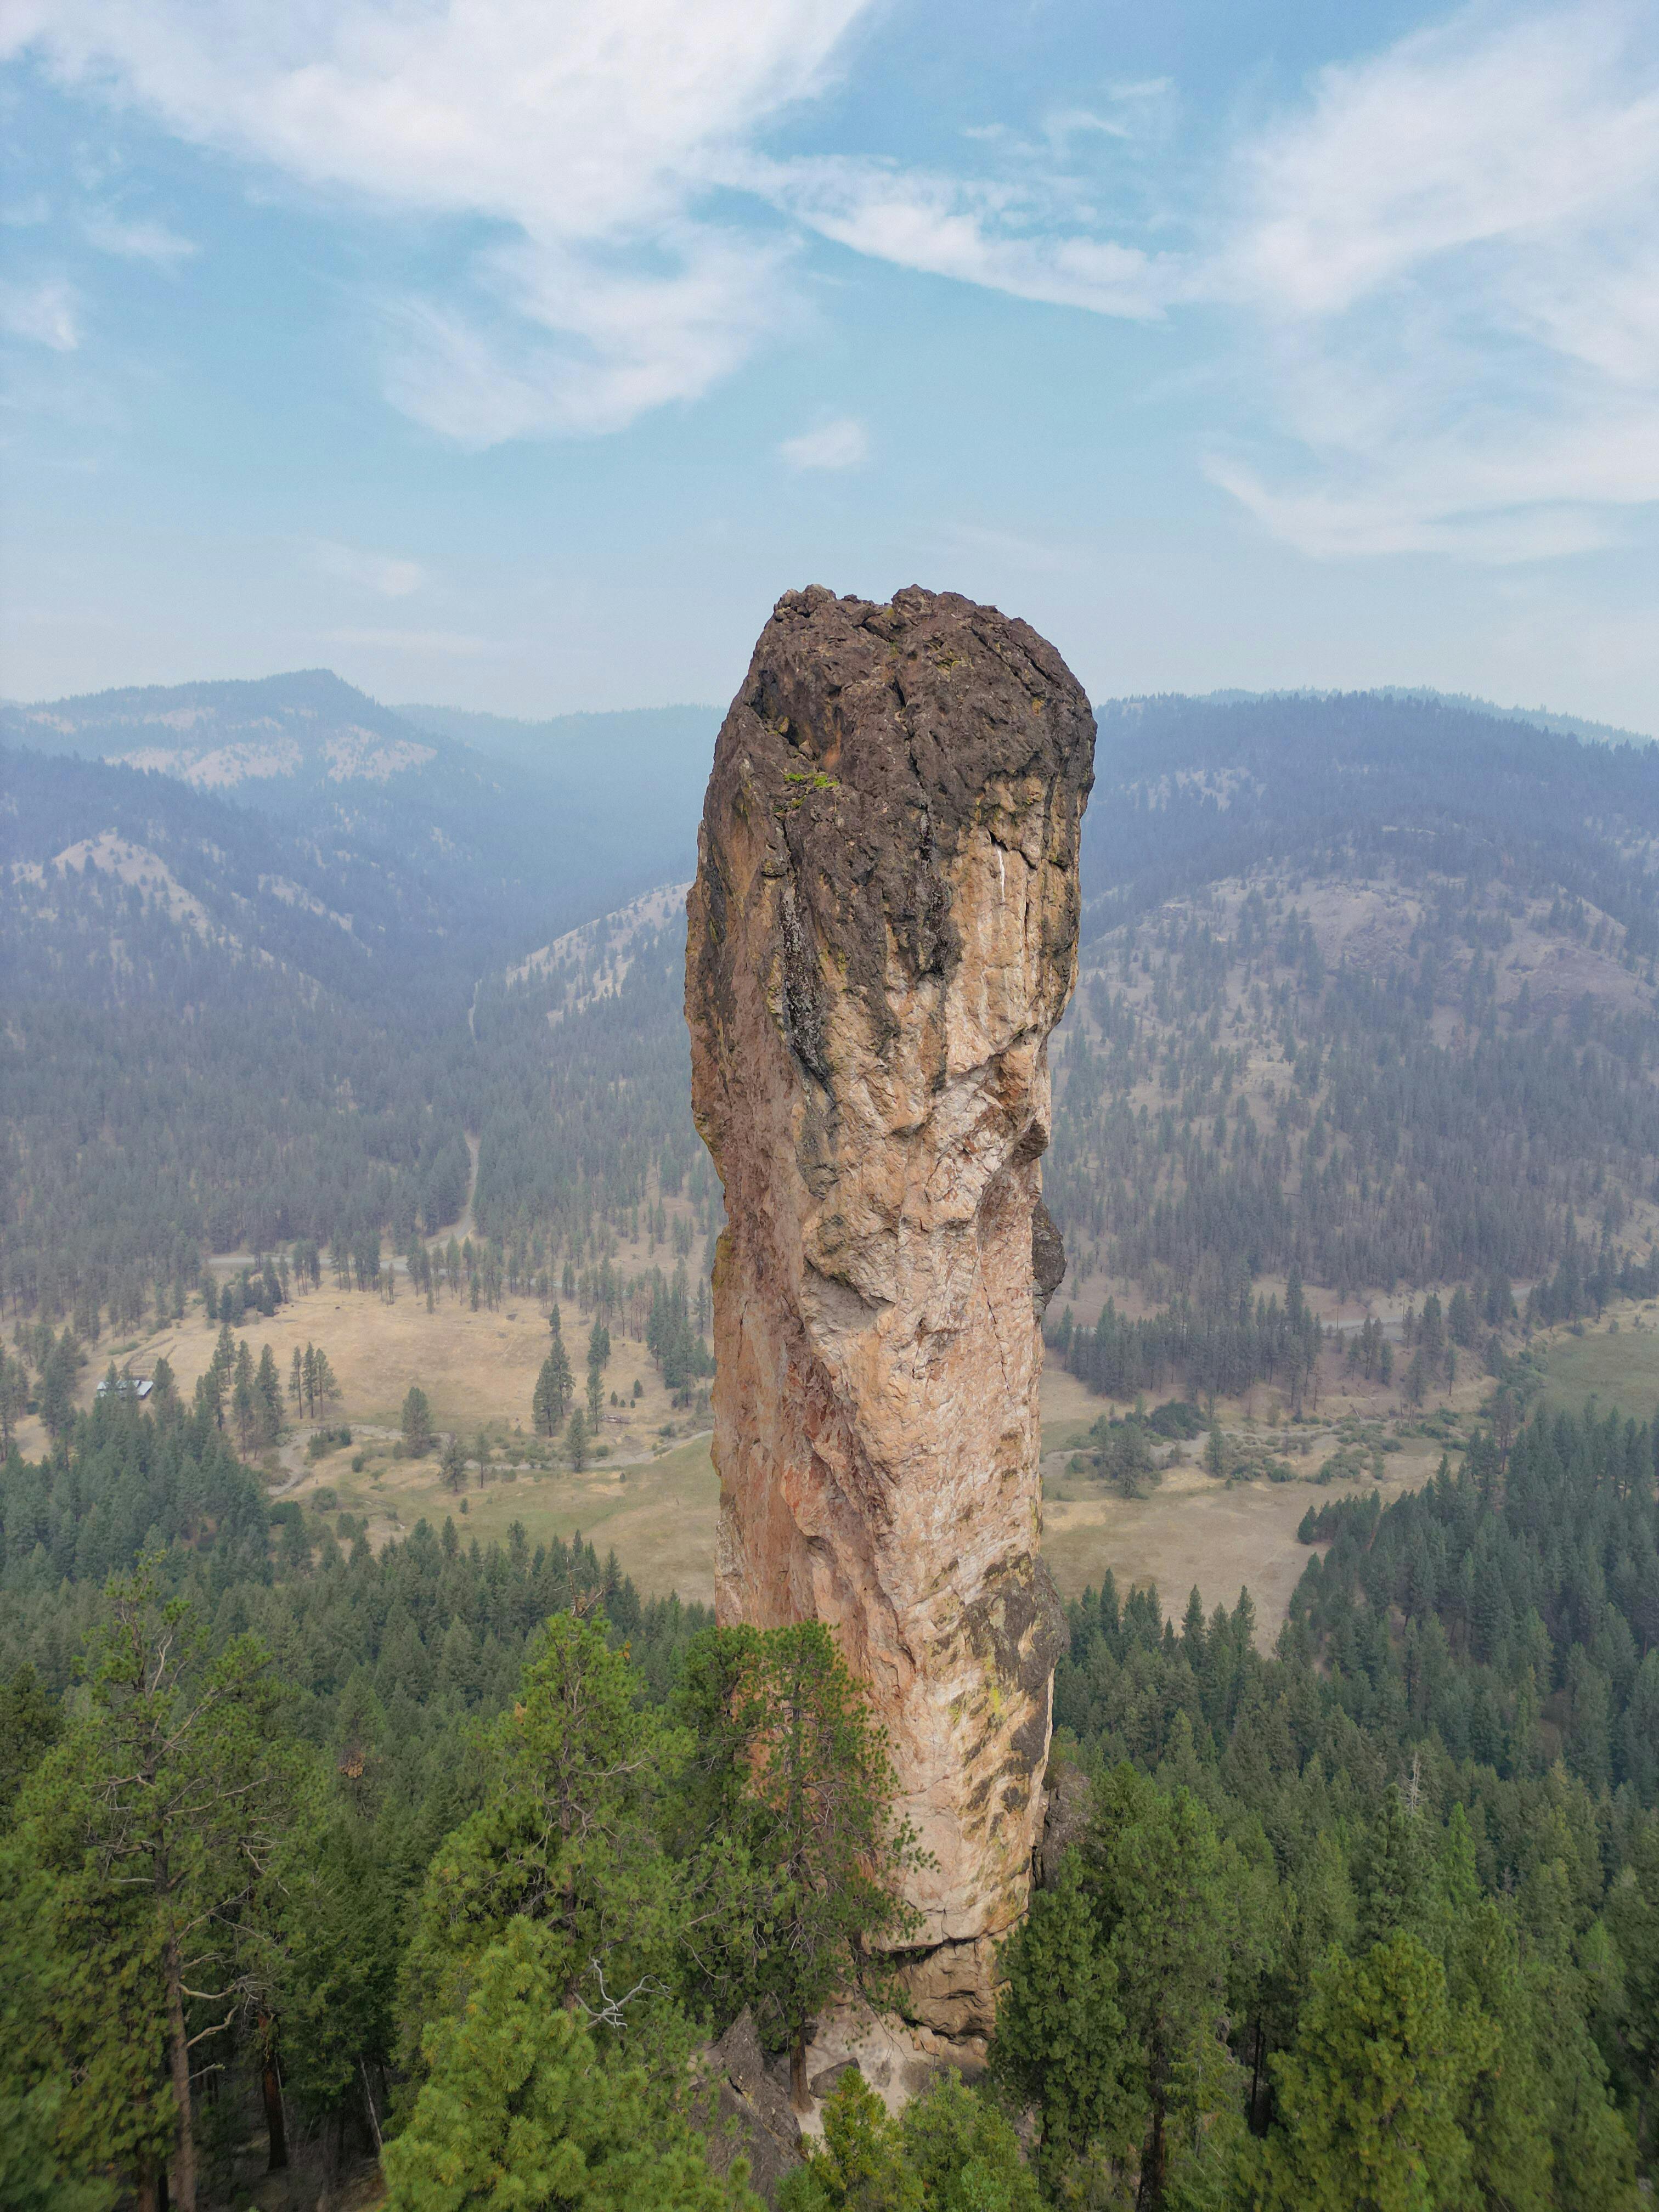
(874, 736)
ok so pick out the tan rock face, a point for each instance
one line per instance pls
(882, 934)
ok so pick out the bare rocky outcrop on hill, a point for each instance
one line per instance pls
(749, 2114)
(882, 934)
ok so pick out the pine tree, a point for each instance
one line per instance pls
(599, 1352)
(58, 1376)
(551, 1393)
(244, 1400)
(554, 1387)
(268, 1385)
(562, 1839)
(1060, 2040)
(1154, 1875)
(327, 1387)
(152, 1823)
(418, 1433)
(795, 1778)
(1395, 1874)
(522, 2104)
(1370, 2100)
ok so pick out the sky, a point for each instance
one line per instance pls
(518, 356)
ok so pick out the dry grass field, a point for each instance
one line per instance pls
(658, 1514)
(1615, 1362)
(653, 1495)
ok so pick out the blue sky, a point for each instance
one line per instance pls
(518, 354)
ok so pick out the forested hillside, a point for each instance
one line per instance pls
(489, 1852)
(1366, 1014)
(1367, 1000)
(230, 1029)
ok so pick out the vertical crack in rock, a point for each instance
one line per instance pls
(883, 934)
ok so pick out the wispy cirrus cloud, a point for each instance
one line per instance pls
(989, 232)
(45, 313)
(592, 134)
(842, 444)
(1452, 256)
(1424, 292)
(139, 240)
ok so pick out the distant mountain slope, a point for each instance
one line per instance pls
(650, 764)
(593, 962)
(212, 1033)
(1190, 790)
(1367, 1002)
(552, 835)
(1541, 718)
(297, 731)
(1368, 993)
(227, 1027)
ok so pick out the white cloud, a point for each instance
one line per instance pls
(1434, 276)
(139, 241)
(45, 313)
(1482, 134)
(591, 343)
(979, 232)
(593, 131)
(1452, 259)
(383, 574)
(843, 444)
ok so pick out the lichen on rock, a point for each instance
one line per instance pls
(882, 934)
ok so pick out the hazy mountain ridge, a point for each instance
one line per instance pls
(1349, 781)
(1542, 718)
(217, 734)
(649, 762)
(1489, 871)
(360, 780)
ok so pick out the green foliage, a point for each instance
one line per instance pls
(673, 1341)
(964, 2153)
(951, 2150)
(333, 1989)
(563, 1838)
(792, 1784)
(452, 1464)
(1560, 1576)
(523, 2109)
(1372, 2096)
(861, 2166)
(418, 1435)
(30, 1724)
(83, 2060)
(153, 1824)
(1350, 1827)
(1166, 1896)
(1123, 1454)
(1061, 2033)
(554, 1385)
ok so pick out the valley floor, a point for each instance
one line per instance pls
(653, 1495)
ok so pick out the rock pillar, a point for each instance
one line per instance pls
(883, 934)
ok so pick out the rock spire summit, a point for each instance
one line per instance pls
(882, 934)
